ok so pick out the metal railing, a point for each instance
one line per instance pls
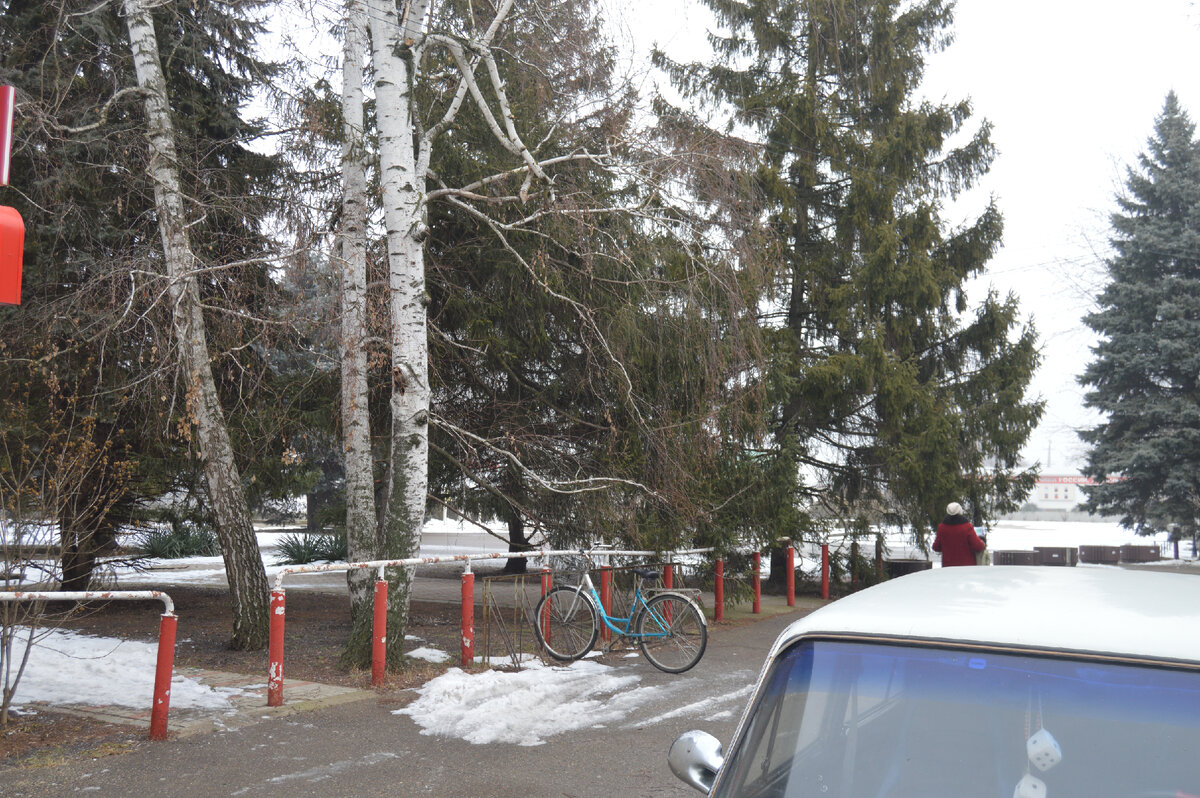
(278, 606)
(166, 639)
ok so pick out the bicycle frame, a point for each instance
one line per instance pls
(608, 620)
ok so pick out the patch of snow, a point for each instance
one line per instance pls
(429, 654)
(698, 707)
(67, 667)
(525, 707)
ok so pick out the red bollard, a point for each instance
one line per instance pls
(757, 581)
(379, 634)
(468, 618)
(605, 596)
(719, 591)
(791, 576)
(546, 583)
(275, 651)
(162, 677)
(825, 570)
(668, 576)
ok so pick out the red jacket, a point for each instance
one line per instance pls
(957, 541)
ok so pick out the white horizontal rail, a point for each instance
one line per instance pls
(467, 559)
(91, 595)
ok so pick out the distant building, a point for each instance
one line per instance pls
(1060, 491)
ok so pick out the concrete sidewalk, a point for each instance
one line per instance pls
(247, 707)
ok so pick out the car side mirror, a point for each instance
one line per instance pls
(695, 758)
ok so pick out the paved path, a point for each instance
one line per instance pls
(360, 748)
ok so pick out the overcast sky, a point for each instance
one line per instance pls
(1072, 88)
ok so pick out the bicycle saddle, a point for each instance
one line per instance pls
(646, 573)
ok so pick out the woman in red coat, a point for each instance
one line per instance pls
(956, 538)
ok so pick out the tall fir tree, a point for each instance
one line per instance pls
(1145, 373)
(890, 398)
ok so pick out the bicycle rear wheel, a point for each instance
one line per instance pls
(565, 623)
(671, 632)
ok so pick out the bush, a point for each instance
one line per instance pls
(183, 539)
(305, 548)
(334, 548)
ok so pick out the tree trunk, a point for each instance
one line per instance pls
(362, 527)
(313, 504)
(239, 548)
(777, 582)
(78, 559)
(517, 542)
(403, 189)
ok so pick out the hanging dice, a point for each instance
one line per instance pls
(1043, 750)
(1030, 787)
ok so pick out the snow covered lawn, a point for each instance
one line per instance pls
(67, 667)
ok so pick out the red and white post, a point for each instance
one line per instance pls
(162, 677)
(275, 650)
(825, 570)
(468, 617)
(8, 101)
(545, 619)
(379, 632)
(719, 592)
(790, 568)
(757, 582)
(605, 596)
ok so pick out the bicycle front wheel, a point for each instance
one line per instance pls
(671, 632)
(565, 623)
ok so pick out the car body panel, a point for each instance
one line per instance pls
(1103, 610)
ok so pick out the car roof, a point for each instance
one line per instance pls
(1106, 610)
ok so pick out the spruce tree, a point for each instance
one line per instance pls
(890, 399)
(1145, 373)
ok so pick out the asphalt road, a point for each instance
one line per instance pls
(362, 749)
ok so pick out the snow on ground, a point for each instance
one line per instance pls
(439, 538)
(428, 654)
(1025, 535)
(527, 706)
(67, 667)
(1007, 535)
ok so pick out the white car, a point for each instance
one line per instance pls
(975, 683)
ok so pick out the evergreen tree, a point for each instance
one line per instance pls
(1145, 373)
(595, 388)
(889, 399)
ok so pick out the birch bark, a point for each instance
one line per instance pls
(239, 548)
(403, 511)
(361, 527)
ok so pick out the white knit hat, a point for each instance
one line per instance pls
(954, 508)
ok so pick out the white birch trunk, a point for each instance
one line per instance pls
(403, 190)
(243, 563)
(361, 521)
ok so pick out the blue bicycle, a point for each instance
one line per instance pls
(667, 625)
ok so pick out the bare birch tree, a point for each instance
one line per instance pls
(243, 563)
(402, 513)
(361, 527)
